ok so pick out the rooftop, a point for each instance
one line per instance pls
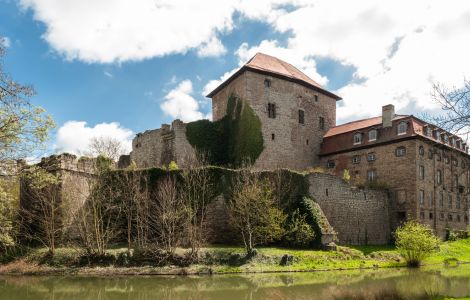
(274, 66)
(359, 124)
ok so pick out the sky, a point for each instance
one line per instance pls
(118, 67)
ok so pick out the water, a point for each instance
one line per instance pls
(437, 283)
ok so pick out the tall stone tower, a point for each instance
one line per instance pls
(294, 110)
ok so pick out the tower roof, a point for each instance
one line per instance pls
(270, 65)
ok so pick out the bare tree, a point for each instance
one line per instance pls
(253, 211)
(42, 209)
(105, 146)
(455, 103)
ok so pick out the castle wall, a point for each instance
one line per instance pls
(158, 147)
(359, 217)
(287, 144)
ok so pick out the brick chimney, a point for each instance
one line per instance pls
(388, 113)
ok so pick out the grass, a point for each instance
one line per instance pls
(229, 259)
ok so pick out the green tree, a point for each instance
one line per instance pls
(415, 242)
(8, 203)
(253, 211)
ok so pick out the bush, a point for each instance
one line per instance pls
(298, 233)
(415, 242)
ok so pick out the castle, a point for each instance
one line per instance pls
(425, 169)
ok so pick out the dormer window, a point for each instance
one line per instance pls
(402, 128)
(446, 139)
(458, 144)
(372, 135)
(267, 83)
(428, 131)
(452, 141)
(357, 138)
(438, 136)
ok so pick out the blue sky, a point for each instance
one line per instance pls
(116, 64)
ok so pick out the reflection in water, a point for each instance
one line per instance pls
(365, 284)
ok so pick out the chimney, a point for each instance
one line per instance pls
(388, 113)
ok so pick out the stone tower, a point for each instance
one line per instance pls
(294, 110)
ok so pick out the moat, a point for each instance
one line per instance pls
(427, 283)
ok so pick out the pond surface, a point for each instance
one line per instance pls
(429, 283)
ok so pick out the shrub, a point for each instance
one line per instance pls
(415, 242)
(173, 166)
(346, 176)
(298, 233)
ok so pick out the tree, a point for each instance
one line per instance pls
(415, 242)
(106, 146)
(455, 103)
(42, 208)
(23, 126)
(253, 211)
(9, 198)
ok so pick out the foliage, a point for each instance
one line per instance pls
(233, 140)
(346, 176)
(9, 198)
(253, 212)
(105, 146)
(172, 166)
(415, 242)
(104, 164)
(313, 217)
(23, 126)
(298, 232)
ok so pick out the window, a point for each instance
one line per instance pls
(330, 164)
(421, 214)
(449, 204)
(316, 98)
(421, 150)
(321, 123)
(465, 219)
(357, 138)
(356, 159)
(430, 154)
(267, 83)
(421, 172)
(371, 156)
(439, 177)
(402, 128)
(301, 117)
(431, 216)
(446, 159)
(441, 216)
(458, 218)
(449, 217)
(273, 136)
(441, 200)
(456, 181)
(457, 202)
(372, 135)
(272, 110)
(306, 141)
(438, 157)
(371, 175)
(430, 199)
(455, 162)
(452, 141)
(400, 151)
(421, 197)
(446, 139)
(428, 131)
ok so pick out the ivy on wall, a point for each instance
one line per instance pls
(231, 141)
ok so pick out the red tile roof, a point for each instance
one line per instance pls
(360, 124)
(274, 66)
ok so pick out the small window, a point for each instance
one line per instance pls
(465, 219)
(371, 156)
(431, 216)
(301, 117)
(458, 218)
(438, 157)
(441, 200)
(421, 215)
(455, 162)
(402, 128)
(438, 136)
(356, 159)
(449, 217)
(372, 135)
(452, 141)
(430, 154)
(421, 197)
(400, 151)
(357, 138)
(441, 216)
(267, 83)
(421, 172)
(316, 98)
(306, 142)
(446, 139)
(439, 177)
(330, 164)
(428, 131)
(321, 123)
(272, 110)
(449, 204)
(273, 136)
(430, 199)
(446, 159)
(371, 175)
(457, 202)
(421, 150)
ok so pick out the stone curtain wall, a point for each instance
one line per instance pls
(359, 217)
(158, 147)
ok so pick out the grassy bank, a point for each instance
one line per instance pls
(219, 259)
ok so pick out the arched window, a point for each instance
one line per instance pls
(372, 135)
(421, 150)
(402, 128)
(357, 138)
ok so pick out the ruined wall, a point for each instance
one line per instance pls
(287, 143)
(359, 217)
(158, 147)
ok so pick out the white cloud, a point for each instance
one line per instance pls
(74, 136)
(212, 84)
(213, 48)
(108, 74)
(5, 41)
(180, 104)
